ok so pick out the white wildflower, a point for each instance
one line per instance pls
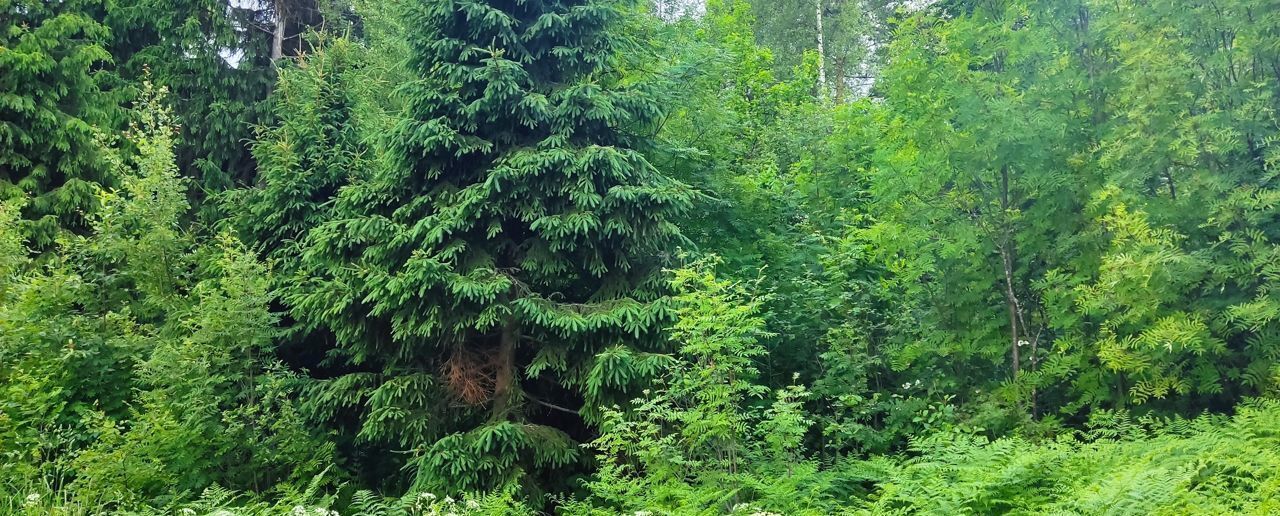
(299, 510)
(473, 505)
(448, 500)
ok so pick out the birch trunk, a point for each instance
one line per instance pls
(822, 56)
(277, 36)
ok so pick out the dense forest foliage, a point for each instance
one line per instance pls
(595, 257)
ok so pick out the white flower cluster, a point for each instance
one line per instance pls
(425, 503)
(299, 510)
(754, 511)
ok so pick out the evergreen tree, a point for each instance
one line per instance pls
(314, 149)
(214, 57)
(219, 59)
(49, 104)
(331, 107)
(504, 263)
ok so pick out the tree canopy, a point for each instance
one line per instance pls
(593, 257)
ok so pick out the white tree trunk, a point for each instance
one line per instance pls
(822, 57)
(277, 37)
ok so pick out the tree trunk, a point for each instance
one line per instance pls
(277, 37)
(840, 73)
(1007, 263)
(504, 387)
(1012, 300)
(1173, 189)
(822, 56)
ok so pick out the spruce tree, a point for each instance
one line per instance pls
(214, 56)
(49, 105)
(312, 150)
(504, 266)
(219, 60)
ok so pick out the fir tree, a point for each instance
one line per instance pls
(214, 57)
(507, 259)
(219, 58)
(314, 149)
(49, 104)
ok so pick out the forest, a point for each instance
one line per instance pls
(639, 257)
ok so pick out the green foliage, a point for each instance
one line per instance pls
(974, 200)
(425, 503)
(1209, 465)
(317, 146)
(512, 232)
(137, 363)
(215, 59)
(717, 329)
(752, 142)
(852, 33)
(702, 442)
(50, 103)
(213, 409)
(968, 257)
(1067, 166)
